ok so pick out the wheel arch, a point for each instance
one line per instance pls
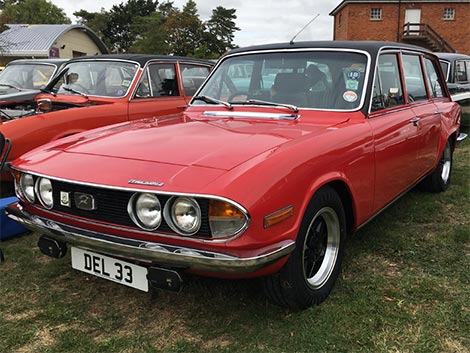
(344, 192)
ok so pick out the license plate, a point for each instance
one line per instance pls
(110, 268)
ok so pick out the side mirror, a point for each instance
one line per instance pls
(44, 105)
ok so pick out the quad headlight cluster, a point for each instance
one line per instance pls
(40, 189)
(183, 214)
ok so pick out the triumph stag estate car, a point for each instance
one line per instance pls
(101, 90)
(284, 150)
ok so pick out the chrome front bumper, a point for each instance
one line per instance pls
(155, 253)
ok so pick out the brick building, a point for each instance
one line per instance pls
(433, 24)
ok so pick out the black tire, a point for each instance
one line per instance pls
(311, 271)
(439, 179)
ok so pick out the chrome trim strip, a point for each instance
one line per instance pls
(162, 254)
(252, 115)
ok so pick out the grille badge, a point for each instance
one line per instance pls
(84, 201)
(65, 199)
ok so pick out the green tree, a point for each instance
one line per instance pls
(153, 39)
(120, 32)
(33, 12)
(145, 26)
(220, 30)
(184, 30)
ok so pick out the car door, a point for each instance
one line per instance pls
(158, 93)
(395, 136)
(427, 117)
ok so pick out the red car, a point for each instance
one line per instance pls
(285, 150)
(101, 90)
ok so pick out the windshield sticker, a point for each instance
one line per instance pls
(352, 85)
(354, 75)
(350, 96)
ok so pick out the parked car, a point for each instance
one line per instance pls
(456, 69)
(263, 175)
(22, 80)
(101, 90)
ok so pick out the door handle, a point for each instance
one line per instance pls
(415, 121)
(182, 106)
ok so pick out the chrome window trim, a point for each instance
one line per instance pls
(267, 51)
(157, 192)
(399, 51)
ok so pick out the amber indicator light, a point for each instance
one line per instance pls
(278, 216)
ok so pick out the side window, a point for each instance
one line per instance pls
(387, 85)
(159, 81)
(414, 80)
(461, 74)
(434, 82)
(193, 77)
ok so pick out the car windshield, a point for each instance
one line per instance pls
(96, 78)
(26, 76)
(327, 80)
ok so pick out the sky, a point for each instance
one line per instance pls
(260, 21)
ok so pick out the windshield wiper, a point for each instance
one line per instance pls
(75, 91)
(211, 100)
(11, 86)
(273, 104)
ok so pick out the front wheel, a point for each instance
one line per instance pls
(310, 273)
(439, 179)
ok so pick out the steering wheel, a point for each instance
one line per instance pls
(78, 87)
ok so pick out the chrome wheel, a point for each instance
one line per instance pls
(321, 247)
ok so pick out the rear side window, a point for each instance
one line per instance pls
(461, 71)
(434, 82)
(414, 79)
(159, 80)
(387, 86)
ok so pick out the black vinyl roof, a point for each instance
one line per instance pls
(372, 47)
(142, 59)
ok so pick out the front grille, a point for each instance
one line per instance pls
(111, 206)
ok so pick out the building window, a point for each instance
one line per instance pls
(449, 14)
(375, 14)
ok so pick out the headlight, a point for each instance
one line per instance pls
(183, 215)
(145, 210)
(226, 219)
(27, 186)
(44, 192)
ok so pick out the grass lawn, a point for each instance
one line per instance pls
(404, 287)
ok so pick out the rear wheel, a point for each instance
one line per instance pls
(310, 273)
(439, 179)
